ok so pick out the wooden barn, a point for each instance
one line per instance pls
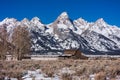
(73, 54)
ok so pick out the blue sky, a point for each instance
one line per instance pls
(49, 10)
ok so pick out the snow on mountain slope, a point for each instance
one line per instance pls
(62, 23)
(9, 23)
(63, 33)
(37, 23)
(81, 25)
(100, 26)
(98, 41)
(111, 32)
(25, 22)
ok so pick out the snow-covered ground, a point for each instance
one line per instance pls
(39, 75)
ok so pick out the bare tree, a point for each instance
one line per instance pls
(21, 41)
(3, 42)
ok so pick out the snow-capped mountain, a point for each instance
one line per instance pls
(63, 33)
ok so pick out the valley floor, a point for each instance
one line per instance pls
(64, 69)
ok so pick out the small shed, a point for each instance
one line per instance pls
(11, 57)
(73, 54)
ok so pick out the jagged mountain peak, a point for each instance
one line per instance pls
(37, 24)
(9, 20)
(9, 23)
(25, 20)
(63, 16)
(80, 21)
(63, 21)
(35, 19)
(101, 22)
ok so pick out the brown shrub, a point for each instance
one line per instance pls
(66, 76)
(100, 76)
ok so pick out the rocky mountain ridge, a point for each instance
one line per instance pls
(90, 37)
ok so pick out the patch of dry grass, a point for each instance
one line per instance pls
(82, 67)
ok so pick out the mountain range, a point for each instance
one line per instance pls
(89, 37)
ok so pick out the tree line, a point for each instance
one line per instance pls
(18, 44)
